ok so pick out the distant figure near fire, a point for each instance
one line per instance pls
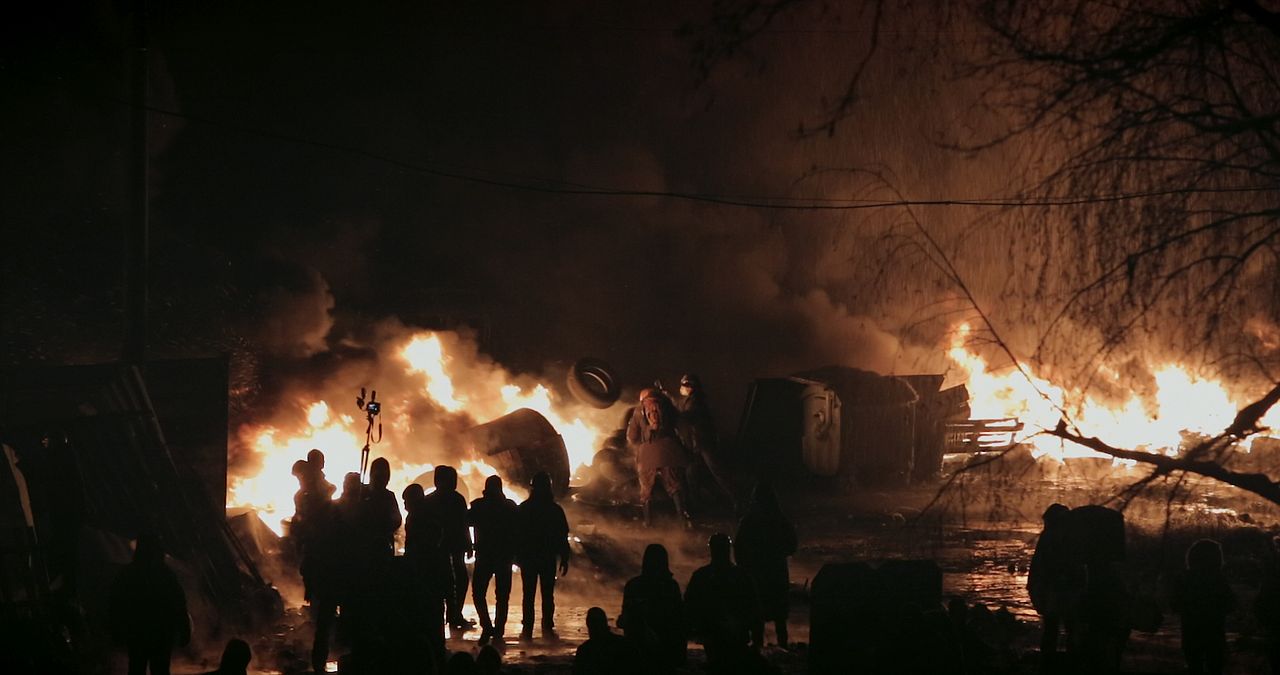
(659, 452)
(496, 522)
(544, 537)
(698, 431)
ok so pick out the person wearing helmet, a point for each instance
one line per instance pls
(651, 431)
(698, 431)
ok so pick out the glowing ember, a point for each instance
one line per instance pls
(448, 386)
(1182, 403)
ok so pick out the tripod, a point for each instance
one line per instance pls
(371, 410)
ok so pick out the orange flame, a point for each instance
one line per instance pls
(454, 380)
(1183, 403)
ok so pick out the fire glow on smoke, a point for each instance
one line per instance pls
(453, 386)
(460, 386)
(1182, 403)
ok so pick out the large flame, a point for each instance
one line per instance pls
(1183, 403)
(455, 384)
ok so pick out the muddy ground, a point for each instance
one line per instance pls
(981, 531)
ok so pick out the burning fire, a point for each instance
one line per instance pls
(460, 386)
(1183, 403)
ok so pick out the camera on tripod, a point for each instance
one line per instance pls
(372, 408)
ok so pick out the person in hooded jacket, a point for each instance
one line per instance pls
(653, 613)
(495, 520)
(447, 507)
(544, 538)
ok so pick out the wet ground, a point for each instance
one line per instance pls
(982, 536)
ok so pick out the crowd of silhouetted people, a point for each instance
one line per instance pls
(394, 608)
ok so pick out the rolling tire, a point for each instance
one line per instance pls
(592, 381)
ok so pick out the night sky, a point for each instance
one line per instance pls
(318, 167)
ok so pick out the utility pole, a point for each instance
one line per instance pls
(137, 233)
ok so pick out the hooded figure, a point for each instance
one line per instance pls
(653, 613)
(544, 538)
(149, 609)
(448, 508)
(765, 540)
(495, 520)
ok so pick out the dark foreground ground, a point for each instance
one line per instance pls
(981, 532)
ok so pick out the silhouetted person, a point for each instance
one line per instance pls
(544, 538)
(149, 609)
(605, 652)
(312, 518)
(315, 461)
(1053, 582)
(1203, 599)
(1102, 627)
(428, 560)
(1266, 606)
(651, 431)
(495, 520)
(340, 560)
(461, 663)
(722, 609)
(488, 661)
(448, 508)
(235, 659)
(765, 540)
(653, 613)
(381, 513)
(698, 430)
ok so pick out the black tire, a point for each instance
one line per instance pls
(592, 381)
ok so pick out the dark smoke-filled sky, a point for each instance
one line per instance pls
(301, 191)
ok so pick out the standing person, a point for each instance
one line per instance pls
(765, 540)
(720, 602)
(149, 609)
(1266, 606)
(380, 515)
(448, 508)
(1051, 580)
(428, 563)
(653, 613)
(315, 462)
(698, 430)
(1203, 599)
(544, 538)
(495, 521)
(651, 431)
